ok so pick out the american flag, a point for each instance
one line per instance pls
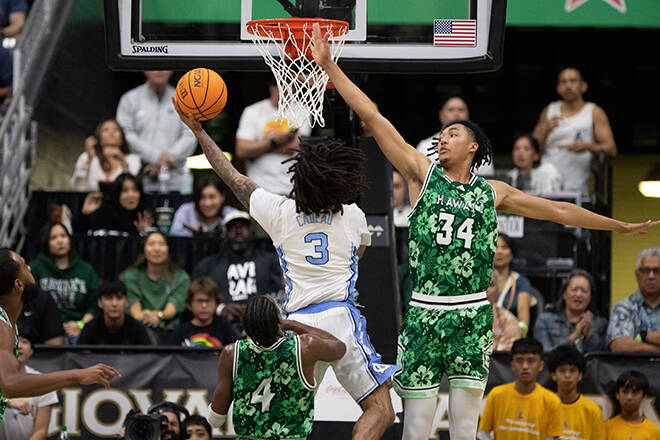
(455, 33)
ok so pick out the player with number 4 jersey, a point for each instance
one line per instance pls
(270, 375)
(320, 234)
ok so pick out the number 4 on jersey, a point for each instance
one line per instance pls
(263, 395)
(464, 231)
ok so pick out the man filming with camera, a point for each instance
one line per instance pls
(163, 421)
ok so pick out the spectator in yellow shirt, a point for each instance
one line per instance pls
(632, 387)
(582, 419)
(522, 410)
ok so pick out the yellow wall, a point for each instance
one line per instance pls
(629, 205)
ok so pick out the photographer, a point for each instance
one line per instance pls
(164, 421)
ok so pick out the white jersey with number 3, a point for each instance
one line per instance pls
(318, 253)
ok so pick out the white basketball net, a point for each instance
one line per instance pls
(300, 80)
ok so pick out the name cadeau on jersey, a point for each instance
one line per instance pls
(308, 219)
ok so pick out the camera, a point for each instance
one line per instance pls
(144, 427)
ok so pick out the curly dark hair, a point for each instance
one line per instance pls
(484, 154)
(326, 176)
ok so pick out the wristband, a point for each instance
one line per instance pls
(216, 420)
(639, 338)
(642, 336)
(220, 309)
(273, 144)
(523, 326)
(80, 324)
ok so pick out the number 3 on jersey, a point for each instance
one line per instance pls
(321, 249)
(464, 231)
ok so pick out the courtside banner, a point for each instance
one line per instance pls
(188, 377)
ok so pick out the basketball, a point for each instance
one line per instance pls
(201, 92)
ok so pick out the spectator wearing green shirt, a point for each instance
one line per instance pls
(156, 287)
(71, 282)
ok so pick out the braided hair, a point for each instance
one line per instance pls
(484, 153)
(326, 176)
(261, 320)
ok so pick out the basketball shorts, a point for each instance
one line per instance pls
(360, 370)
(444, 336)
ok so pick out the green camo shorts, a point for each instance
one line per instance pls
(432, 342)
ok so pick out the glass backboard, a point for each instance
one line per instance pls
(384, 35)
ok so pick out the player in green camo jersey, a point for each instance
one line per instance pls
(5, 319)
(16, 284)
(270, 376)
(447, 329)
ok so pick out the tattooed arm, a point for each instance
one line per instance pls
(241, 185)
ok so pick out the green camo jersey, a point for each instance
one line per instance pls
(453, 236)
(3, 400)
(272, 398)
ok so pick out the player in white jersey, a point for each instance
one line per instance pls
(319, 236)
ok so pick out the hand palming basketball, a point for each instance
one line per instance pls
(187, 119)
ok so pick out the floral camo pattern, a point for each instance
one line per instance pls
(270, 399)
(457, 343)
(463, 265)
(453, 236)
(3, 400)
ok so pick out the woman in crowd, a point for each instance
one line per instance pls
(529, 174)
(71, 282)
(514, 288)
(574, 322)
(123, 209)
(106, 156)
(156, 287)
(205, 213)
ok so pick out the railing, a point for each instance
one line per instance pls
(18, 133)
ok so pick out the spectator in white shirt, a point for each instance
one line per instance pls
(154, 131)
(264, 142)
(530, 174)
(106, 156)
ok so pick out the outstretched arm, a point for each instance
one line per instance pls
(516, 202)
(222, 396)
(412, 164)
(241, 185)
(15, 383)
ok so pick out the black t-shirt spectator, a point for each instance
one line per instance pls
(218, 334)
(131, 333)
(41, 315)
(238, 278)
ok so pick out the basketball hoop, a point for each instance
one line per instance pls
(286, 48)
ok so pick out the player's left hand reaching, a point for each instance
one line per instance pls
(638, 228)
(99, 373)
(191, 122)
(320, 47)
